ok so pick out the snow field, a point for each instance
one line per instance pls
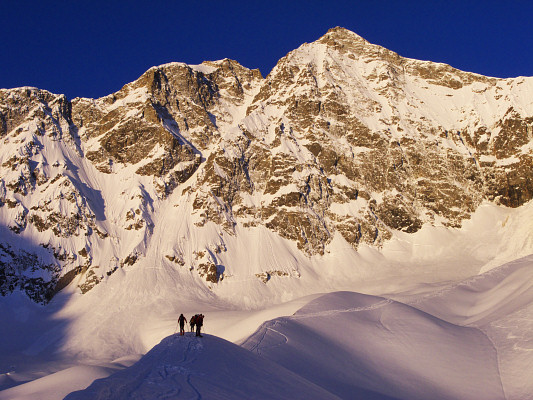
(466, 340)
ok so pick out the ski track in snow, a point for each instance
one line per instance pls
(314, 315)
(279, 333)
(175, 374)
(257, 347)
(374, 306)
(268, 327)
(196, 345)
(498, 363)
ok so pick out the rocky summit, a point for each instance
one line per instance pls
(343, 139)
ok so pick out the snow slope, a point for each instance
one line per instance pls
(59, 384)
(500, 304)
(468, 340)
(471, 340)
(346, 341)
(208, 367)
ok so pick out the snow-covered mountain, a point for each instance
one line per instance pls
(191, 165)
(208, 188)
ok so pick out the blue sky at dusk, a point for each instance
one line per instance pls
(93, 48)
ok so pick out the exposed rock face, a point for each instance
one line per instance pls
(342, 136)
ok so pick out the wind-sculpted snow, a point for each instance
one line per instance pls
(349, 343)
(471, 340)
(184, 367)
(499, 303)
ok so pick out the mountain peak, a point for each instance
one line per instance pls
(348, 42)
(339, 35)
(340, 31)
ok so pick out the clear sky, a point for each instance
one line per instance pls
(92, 48)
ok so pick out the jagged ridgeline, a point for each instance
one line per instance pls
(343, 137)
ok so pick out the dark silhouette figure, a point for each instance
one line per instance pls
(199, 323)
(181, 321)
(193, 322)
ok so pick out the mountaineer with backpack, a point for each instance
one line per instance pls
(199, 321)
(181, 321)
(193, 322)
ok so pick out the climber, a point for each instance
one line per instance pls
(193, 322)
(181, 321)
(199, 322)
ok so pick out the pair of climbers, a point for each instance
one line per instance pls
(196, 321)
